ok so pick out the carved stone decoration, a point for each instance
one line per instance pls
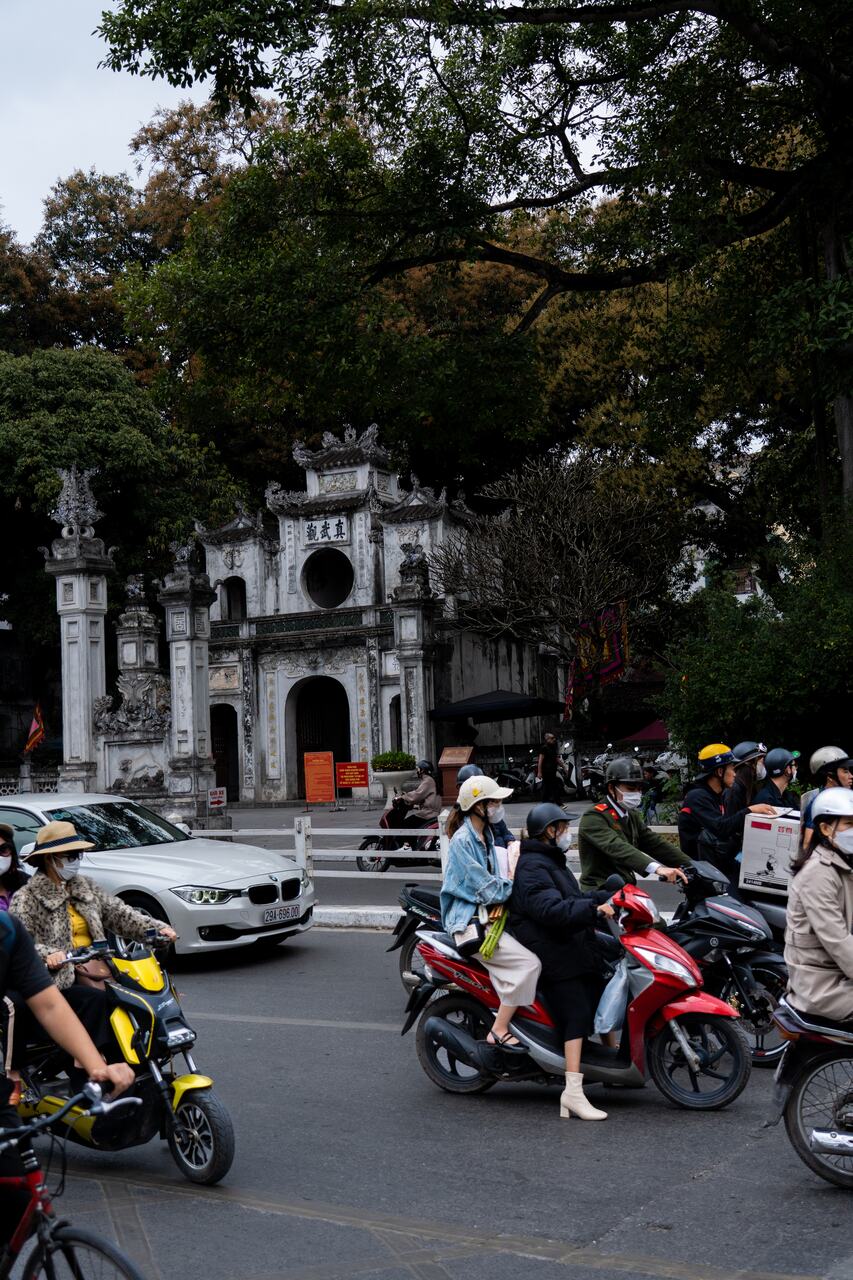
(343, 482)
(76, 509)
(414, 574)
(135, 589)
(137, 776)
(248, 722)
(144, 706)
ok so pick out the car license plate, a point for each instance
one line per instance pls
(275, 914)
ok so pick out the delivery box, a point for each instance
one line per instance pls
(769, 847)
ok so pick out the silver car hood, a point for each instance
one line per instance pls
(194, 861)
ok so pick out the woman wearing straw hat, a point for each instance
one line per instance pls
(64, 910)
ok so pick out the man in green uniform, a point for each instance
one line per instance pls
(613, 838)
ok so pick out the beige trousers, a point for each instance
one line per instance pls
(514, 971)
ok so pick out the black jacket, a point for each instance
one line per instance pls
(703, 810)
(770, 794)
(550, 914)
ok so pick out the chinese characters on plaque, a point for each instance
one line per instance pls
(326, 529)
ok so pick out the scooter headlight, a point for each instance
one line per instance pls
(666, 964)
(179, 1037)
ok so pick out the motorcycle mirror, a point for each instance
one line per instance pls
(613, 883)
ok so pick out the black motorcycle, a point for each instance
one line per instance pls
(741, 962)
(420, 910)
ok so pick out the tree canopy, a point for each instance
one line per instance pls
(706, 126)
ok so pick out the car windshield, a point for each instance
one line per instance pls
(118, 825)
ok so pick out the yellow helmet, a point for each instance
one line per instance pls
(714, 757)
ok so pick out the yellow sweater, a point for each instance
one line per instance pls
(80, 935)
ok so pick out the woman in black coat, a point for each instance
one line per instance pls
(556, 921)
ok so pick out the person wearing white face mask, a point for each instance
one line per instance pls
(613, 838)
(550, 915)
(11, 876)
(819, 932)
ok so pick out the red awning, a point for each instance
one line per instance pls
(654, 732)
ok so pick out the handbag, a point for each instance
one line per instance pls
(93, 973)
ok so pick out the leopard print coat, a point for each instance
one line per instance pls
(42, 907)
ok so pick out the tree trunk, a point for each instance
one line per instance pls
(837, 266)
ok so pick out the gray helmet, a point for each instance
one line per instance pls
(777, 761)
(424, 766)
(542, 816)
(746, 751)
(468, 771)
(624, 769)
(828, 760)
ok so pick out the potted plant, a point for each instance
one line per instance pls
(392, 769)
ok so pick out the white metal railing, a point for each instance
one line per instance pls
(305, 854)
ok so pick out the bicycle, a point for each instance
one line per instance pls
(62, 1251)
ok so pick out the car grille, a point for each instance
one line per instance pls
(261, 893)
(290, 889)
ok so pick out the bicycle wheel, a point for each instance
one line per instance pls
(71, 1253)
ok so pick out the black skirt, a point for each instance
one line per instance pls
(572, 1003)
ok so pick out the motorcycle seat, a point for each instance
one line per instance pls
(814, 1021)
(423, 895)
(775, 916)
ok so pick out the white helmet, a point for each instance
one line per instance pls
(835, 802)
(824, 756)
(475, 790)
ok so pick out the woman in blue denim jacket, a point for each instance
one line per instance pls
(471, 881)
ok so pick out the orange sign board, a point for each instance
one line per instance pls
(352, 773)
(319, 777)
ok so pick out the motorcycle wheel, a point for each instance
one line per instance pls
(202, 1144)
(822, 1098)
(442, 1068)
(411, 963)
(765, 1039)
(724, 1062)
(372, 864)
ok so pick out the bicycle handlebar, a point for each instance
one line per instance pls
(90, 1092)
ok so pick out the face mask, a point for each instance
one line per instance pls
(843, 841)
(5, 863)
(67, 868)
(496, 813)
(630, 799)
(760, 771)
(793, 775)
(564, 841)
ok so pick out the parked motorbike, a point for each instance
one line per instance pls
(683, 1038)
(151, 1031)
(512, 773)
(425, 838)
(814, 1092)
(741, 963)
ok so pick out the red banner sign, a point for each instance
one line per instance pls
(319, 777)
(352, 773)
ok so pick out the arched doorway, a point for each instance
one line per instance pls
(322, 721)
(225, 748)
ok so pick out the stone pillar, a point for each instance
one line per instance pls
(79, 563)
(186, 598)
(413, 606)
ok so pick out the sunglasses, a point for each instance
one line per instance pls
(7, 847)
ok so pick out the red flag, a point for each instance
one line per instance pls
(36, 734)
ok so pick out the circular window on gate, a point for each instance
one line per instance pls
(328, 577)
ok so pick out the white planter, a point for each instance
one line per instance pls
(394, 780)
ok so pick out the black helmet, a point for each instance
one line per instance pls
(624, 769)
(542, 816)
(777, 761)
(468, 771)
(424, 766)
(746, 751)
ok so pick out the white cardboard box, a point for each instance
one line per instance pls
(769, 847)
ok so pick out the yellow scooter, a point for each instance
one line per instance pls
(151, 1032)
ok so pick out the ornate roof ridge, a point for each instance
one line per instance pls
(336, 452)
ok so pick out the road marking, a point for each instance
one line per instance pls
(127, 1226)
(267, 1020)
(539, 1248)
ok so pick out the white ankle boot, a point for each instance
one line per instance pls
(574, 1102)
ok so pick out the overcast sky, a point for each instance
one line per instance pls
(58, 110)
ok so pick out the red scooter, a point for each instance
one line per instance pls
(393, 818)
(687, 1041)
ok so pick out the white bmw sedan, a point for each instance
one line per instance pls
(213, 893)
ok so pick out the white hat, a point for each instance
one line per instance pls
(473, 790)
(834, 802)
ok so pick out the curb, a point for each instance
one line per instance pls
(356, 917)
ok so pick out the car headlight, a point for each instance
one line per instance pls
(201, 896)
(666, 964)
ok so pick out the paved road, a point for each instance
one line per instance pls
(351, 1164)
(358, 889)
